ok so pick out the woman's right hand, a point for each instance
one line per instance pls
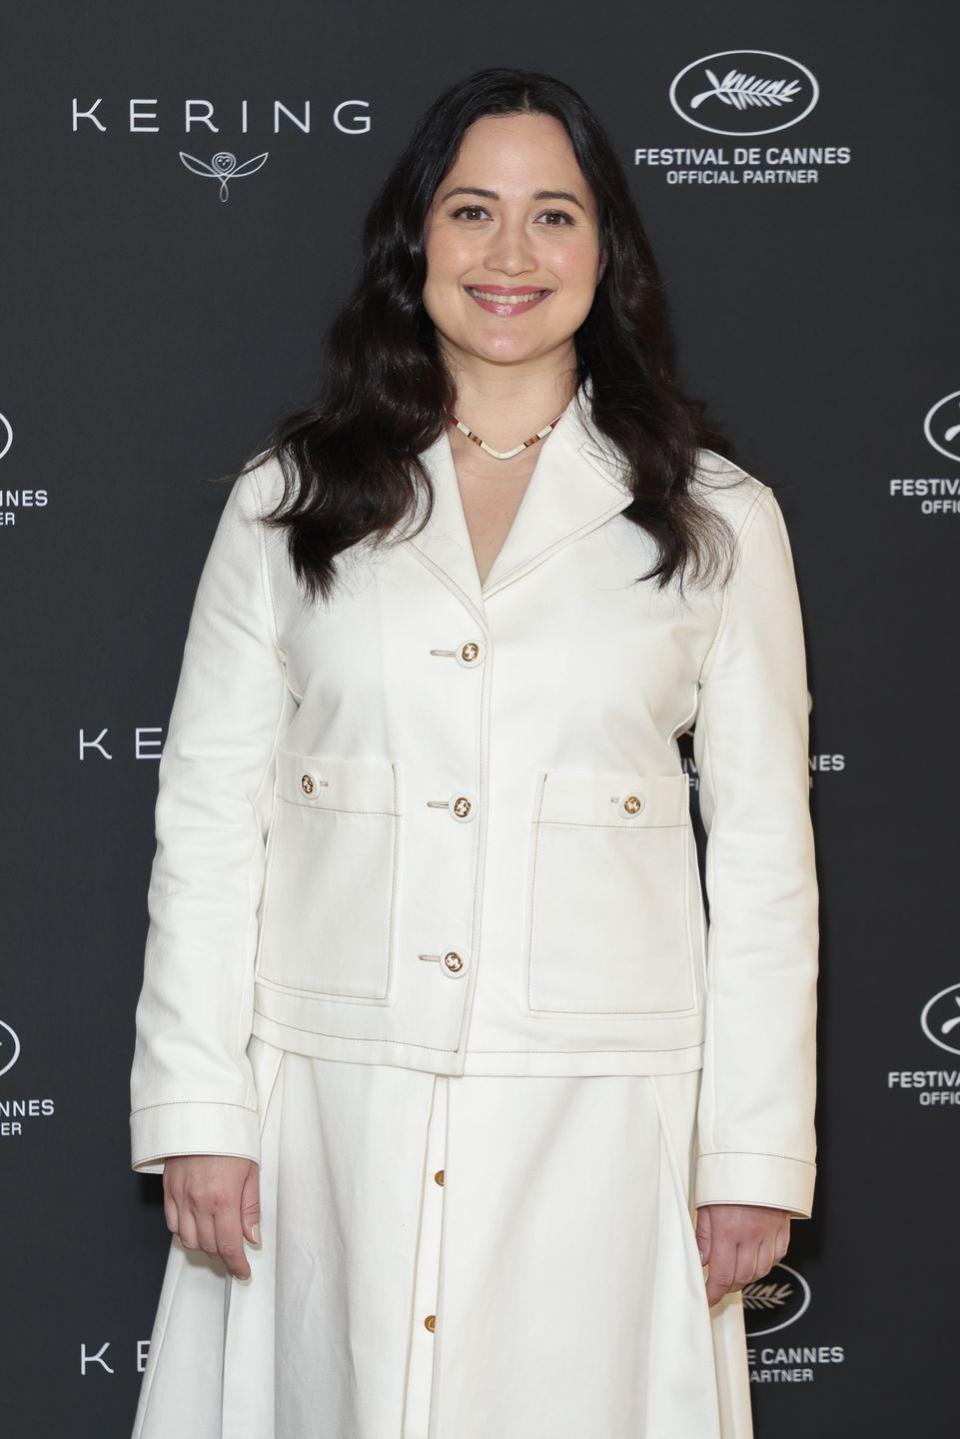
(213, 1202)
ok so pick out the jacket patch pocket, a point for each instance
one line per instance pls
(608, 895)
(328, 920)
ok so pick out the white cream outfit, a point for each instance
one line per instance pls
(425, 903)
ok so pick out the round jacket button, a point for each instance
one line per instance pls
(453, 963)
(633, 803)
(307, 783)
(431, 1322)
(438, 1177)
(470, 653)
(461, 806)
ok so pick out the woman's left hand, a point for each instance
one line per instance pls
(740, 1243)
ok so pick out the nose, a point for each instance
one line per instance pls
(511, 250)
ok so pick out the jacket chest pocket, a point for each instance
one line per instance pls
(328, 920)
(609, 895)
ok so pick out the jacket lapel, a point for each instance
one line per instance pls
(577, 483)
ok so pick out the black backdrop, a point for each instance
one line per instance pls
(157, 321)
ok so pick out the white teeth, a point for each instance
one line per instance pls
(506, 299)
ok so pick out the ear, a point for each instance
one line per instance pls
(603, 265)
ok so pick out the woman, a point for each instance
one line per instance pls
(431, 1019)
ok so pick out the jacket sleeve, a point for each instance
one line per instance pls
(192, 1089)
(755, 1126)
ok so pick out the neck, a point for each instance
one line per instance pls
(504, 405)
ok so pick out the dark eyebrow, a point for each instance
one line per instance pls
(492, 194)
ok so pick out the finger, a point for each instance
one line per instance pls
(765, 1260)
(171, 1212)
(187, 1228)
(748, 1259)
(206, 1231)
(723, 1258)
(782, 1242)
(703, 1231)
(250, 1205)
(229, 1238)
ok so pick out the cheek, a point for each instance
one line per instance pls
(446, 254)
(575, 262)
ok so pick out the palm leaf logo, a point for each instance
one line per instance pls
(766, 1296)
(741, 91)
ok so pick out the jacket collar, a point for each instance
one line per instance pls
(578, 482)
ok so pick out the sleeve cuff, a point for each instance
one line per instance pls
(769, 1179)
(160, 1131)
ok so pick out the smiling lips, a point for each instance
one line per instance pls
(506, 299)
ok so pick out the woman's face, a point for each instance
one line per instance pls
(522, 220)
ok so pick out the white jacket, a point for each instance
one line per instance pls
(445, 826)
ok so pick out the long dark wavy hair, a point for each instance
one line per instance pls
(350, 458)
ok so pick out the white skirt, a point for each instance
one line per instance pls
(455, 1258)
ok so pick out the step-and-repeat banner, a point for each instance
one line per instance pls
(183, 187)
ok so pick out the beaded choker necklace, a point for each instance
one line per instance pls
(502, 454)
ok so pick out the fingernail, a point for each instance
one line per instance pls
(255, 1231)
